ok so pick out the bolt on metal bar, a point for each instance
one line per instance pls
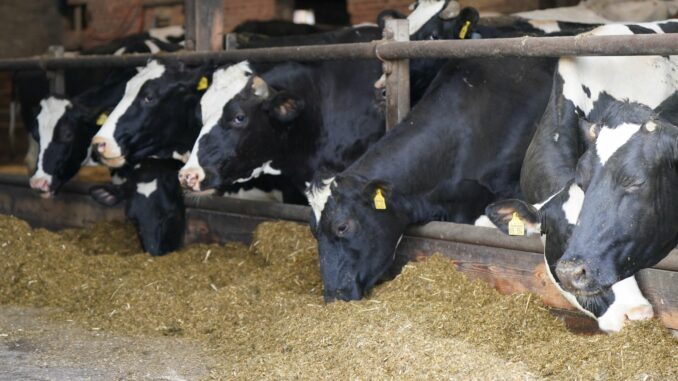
(583, 45)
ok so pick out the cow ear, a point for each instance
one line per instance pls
(502, 212)
(380, 194)
(388, 14)
(107, 195)
(286, 107)
(466, 23)
(260, 87)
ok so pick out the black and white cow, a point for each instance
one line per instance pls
(622, 161)
(447, 160)
(64, 128)
(155, 117)
(295, 119)
(154, 203)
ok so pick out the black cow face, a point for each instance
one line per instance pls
(358, 226)
(154, 203)
(154, 110)
(243, 126)
(63, 130)
(629, 218)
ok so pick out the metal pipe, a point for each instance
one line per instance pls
(583, 45)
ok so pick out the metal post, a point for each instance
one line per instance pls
(57, 84)
(204, 25)
(397, 76)
(231, 42)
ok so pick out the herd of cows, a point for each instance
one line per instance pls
(580, 150)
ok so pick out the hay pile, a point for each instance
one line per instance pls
(260, 311)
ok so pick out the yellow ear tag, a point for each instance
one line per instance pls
(464, 30)
(101, 119)
(379, 201)
(203, 83)
(516, 226)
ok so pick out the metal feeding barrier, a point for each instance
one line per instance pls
(509, 264)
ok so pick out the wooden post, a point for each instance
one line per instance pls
(397, 76)
(204, 25)
(57, 84)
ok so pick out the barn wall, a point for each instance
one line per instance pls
(28, 27)
(237, 11)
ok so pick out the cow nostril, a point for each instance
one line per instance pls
(100, 147)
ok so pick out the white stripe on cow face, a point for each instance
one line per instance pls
(318, 195)
(572, 207)
(226, 84)
(151, 71)
(426, 9)
(52, 109)
(611, 74)
(147, 189)
(611, 139)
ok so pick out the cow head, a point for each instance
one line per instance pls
(441, 20)
(154, 203)
(629, 219)
(63, 130)
(624, 218)
(154, 110)
(358, 224)
(244, 120)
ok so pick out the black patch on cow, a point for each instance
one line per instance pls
(586, 90)
(637, 29)
(669, 27)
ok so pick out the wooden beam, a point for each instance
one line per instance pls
(397, 75)
(204, 25)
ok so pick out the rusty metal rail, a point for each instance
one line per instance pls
(582, 45)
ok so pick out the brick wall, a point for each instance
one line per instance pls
(237, 11)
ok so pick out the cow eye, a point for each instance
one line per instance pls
(344, 228)
(66, 135)
(148, 98)
(634, 187)
(239, 120)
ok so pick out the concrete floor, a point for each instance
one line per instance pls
(34, 348)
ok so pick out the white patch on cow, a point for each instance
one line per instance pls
(546, 26)
(426, 9)
(255, 194)
(611, 75)
(162, 34)
(572, 207)
(484, 221)
(318, 195)
(151, 71)
(183, 157)
(148, 188)
(629, 303)
(265, 169)
(226, 84)
(556, 137)
(117, 180)
(579, 13)
(120, 51)
(152, 46)
(51, 110)
(611, 139)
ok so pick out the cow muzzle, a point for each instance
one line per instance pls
(41, 184)
(107, 152)
(575, 276)
(191, 178)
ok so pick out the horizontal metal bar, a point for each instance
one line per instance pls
(583, 45)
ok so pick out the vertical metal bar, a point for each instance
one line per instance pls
(231, 41)
(204, 25)
(397, 76)
(57, 84)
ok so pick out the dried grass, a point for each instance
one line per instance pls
(260, 310)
